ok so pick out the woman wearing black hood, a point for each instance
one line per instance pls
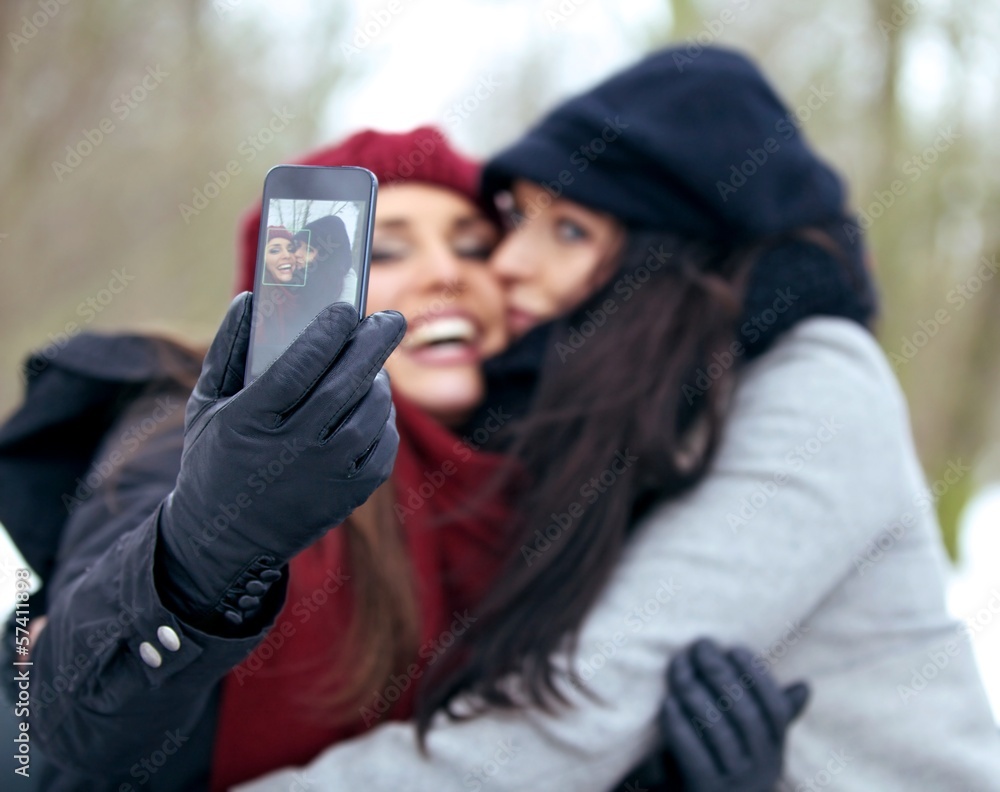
(324, 253)
(715, 444)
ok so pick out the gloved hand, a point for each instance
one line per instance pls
(724, 720)
(266, 470)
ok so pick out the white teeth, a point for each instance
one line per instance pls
(435, 331)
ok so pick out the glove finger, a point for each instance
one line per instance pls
(773, 704)
(295, 373)
(356, 368)
(738, 733)
(357, 431)
(797, 695)
(222, 371)
(377, 463)
(698, 703)
(746, 715)
(683, 741)
(370, 469)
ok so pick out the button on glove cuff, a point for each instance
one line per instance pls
(249, 602)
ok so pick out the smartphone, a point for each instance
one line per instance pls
(314, 249)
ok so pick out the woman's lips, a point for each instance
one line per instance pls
(520, 321)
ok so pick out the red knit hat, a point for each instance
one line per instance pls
(422, 155)
(279, 232)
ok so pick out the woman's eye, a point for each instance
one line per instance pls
(476, 254)
(475, 249)
(569, 231)
(386, 254)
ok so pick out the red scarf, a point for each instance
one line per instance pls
(260, 728)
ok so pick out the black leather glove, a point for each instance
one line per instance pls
(266, 470)
(725, 720)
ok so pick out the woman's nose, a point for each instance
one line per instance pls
(442, 265)
(510, 261)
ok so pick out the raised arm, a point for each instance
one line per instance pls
(170, 574)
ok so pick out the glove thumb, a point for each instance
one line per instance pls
(796, 694)
(225, 364)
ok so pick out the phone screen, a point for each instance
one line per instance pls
(313, 250)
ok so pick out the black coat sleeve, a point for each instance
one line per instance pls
(115, 672)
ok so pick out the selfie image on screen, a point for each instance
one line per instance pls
(309, 261)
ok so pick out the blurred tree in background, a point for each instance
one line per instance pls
(135, 134)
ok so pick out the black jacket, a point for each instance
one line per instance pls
(84, 463)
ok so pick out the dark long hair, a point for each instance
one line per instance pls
(626, 388)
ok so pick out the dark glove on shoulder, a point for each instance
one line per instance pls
(725, 720)
(267, 469)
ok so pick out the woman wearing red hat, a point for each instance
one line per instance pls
(431, 244)
(363, 611)
(279, 257)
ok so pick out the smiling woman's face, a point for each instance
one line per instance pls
(279, 258)
(430, 248)
(556, 254)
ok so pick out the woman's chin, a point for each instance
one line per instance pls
(450, 397)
